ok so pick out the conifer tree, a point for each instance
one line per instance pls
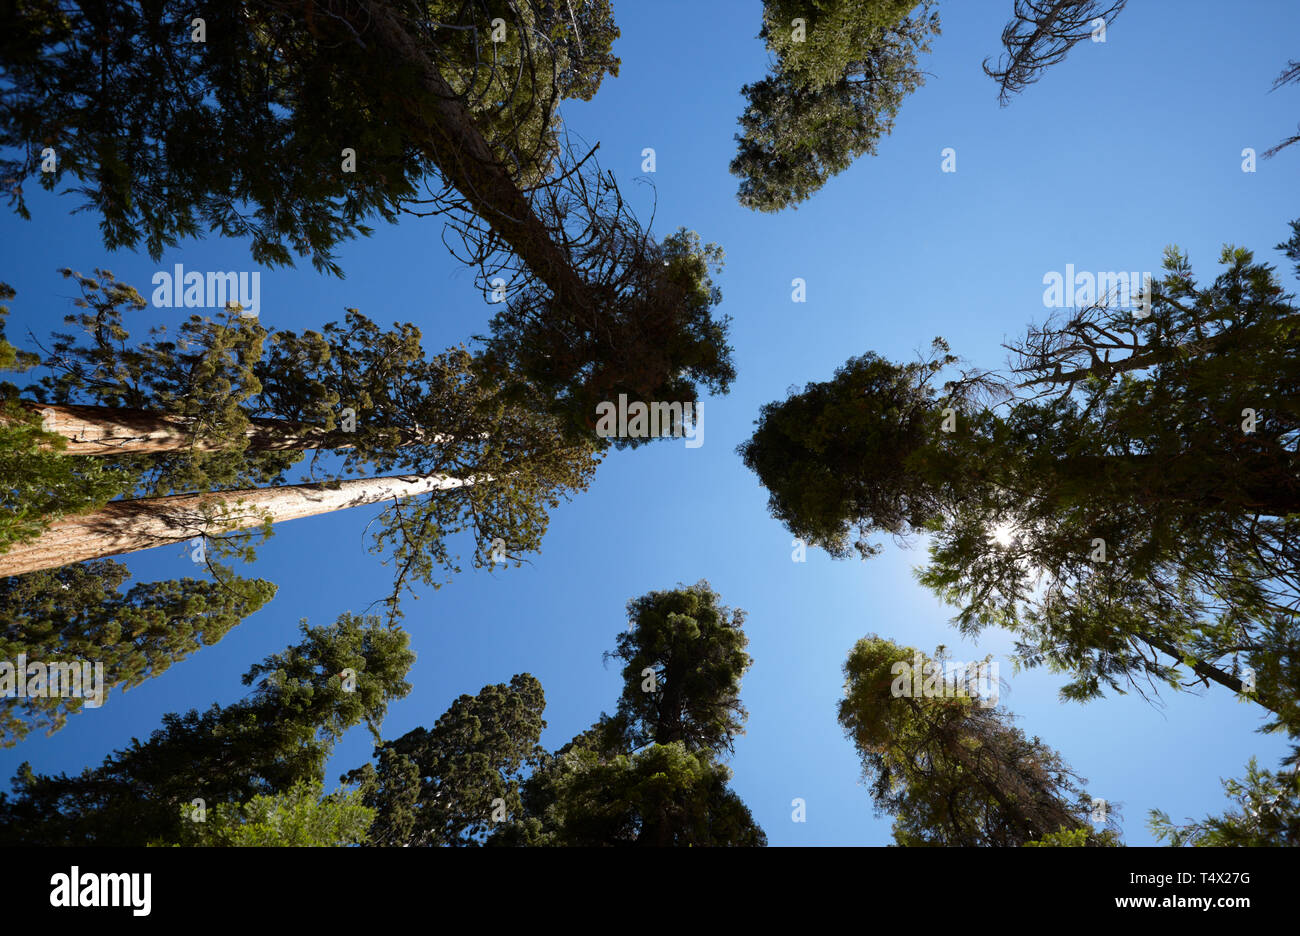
(1127, 504)
(1265, 813)
(449, 784)
(650, 775)
(302, 701)
(949, 766)
(841, 72)
(80, 613)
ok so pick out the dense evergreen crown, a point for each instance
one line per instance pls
(281, 735)
(78, 613)
(442, 786)
(1167, 439)
(951, 768)
(136, 110)
(835, 88)
(649, 775)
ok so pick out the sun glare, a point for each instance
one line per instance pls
(1004, 534)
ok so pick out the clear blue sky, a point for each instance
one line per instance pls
(1120, 150)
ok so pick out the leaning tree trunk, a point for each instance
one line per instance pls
(108, 430)
(447, 133)
(131, 525)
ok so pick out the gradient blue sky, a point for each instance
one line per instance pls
(1120, 150)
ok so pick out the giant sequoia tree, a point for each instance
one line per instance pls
(650, 774)
(269, 743)
(1130, 509)
(948, 766)
(208, 421)
(247, 133)
(445, 785)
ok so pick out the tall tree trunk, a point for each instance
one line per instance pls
(448, 134)
(108, 430)
(130, 525)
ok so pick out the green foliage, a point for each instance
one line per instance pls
(1075, 838)
(11, 359)
(835, 458)
(831, 96)
(834, 32)
(241, 135)
(647, 776)
(650, 775)
(1141, 444)
(77, 612)
(1266, 814)
(683, 655)
(443, 786)
(301, 816)
(654, 338)
(948, 766)
(665, 795)
(550, 51)
(38, 483)
(278, 736)
(213, 374)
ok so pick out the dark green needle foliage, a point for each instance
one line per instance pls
(442, 786)
(302, 701)
(243, 134)
(683, 657)
(835, 87)
(665, 795)
(948, 766)
(650, 775)
(1128, 511)
(80, 612)
(653, 337)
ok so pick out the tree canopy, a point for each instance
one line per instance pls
(442, 786)
(1128, 492)
(650, 775)
(841, 72)
(949, 766)
(79, 612)
(136, 98)
(302, 701)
